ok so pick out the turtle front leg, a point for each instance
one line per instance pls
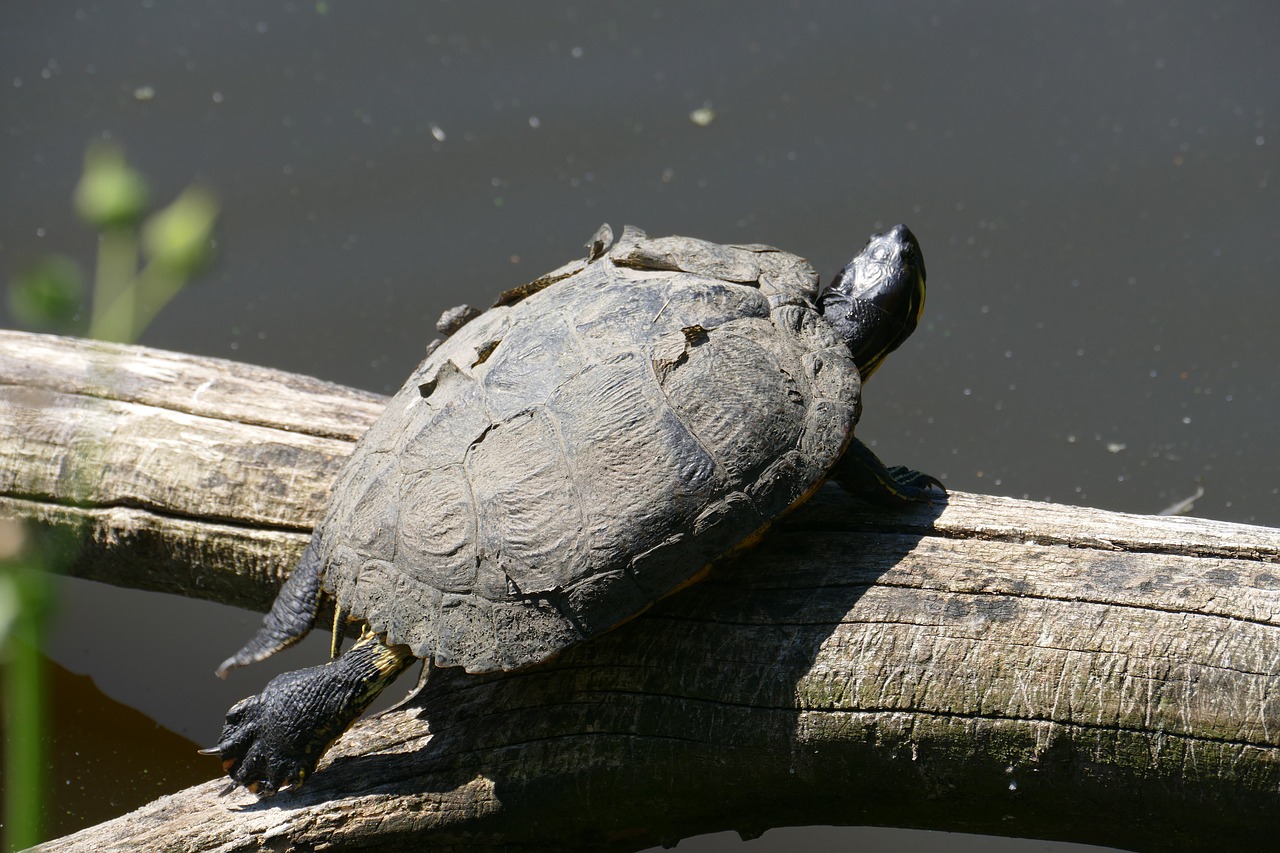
(862, 473)
(271, 742)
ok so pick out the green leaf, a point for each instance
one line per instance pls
(48, 294)
(180, 237)
(110, 194)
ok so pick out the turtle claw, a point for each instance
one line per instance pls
(293, 784)
(213, 750)
(266, 745)
(269, 788)
(915, 485)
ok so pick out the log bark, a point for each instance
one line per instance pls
(983, 665)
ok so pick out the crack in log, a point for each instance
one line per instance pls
(96, 510)
(311, 430)
(798, 711)
(881, 584)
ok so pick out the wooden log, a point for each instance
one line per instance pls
(188, 475)
(985, 665)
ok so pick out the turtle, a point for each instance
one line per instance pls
(596, 441)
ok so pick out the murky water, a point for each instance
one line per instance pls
(1094, 186)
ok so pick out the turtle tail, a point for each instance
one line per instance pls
(291, 617)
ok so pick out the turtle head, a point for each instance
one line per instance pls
(876, 300)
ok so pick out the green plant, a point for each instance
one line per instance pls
(176, 242)
(24, 604)
(49, 294)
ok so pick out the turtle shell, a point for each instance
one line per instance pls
(564, 461)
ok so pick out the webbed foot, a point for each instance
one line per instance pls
(862, 473)
(269, 743)
(272, 742)
(915, 486)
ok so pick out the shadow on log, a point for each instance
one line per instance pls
(992, 665)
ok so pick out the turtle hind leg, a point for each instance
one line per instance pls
(862, 473)
(271, 742)
(291, 616)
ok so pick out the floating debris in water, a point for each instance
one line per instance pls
(703, 115)
(1184, 506)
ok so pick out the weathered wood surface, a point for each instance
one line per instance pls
(990, 665)
(195, 476)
